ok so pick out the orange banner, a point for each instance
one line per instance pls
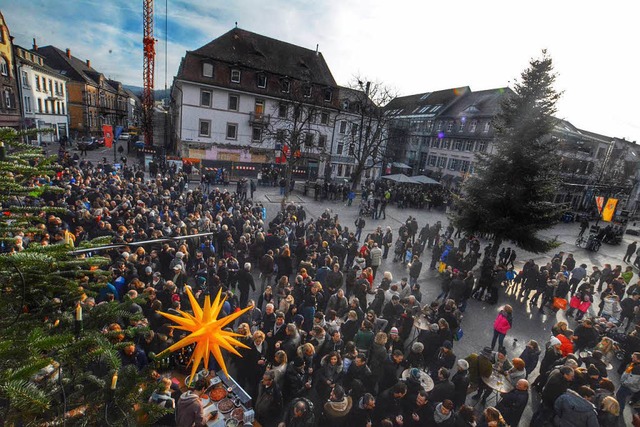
(609, 209)
(107, 133)
(600, 203)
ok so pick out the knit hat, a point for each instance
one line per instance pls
(447, 344)
(394, 330)
(592, 370)
(415, 374)
(463, 364)
(434, 327)
(554, 342)
(148, 270)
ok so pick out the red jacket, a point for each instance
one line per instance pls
(566, 345)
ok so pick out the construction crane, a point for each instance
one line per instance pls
(148, 67)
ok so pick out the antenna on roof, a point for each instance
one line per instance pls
(317, 47)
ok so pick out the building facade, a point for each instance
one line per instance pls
(593, 165)
(353, 125)
(93, 100)
(10, 114)
(440, 133)
(414, 124)
(241, 99)
(133, 110)
(43, 93)
(443, 143)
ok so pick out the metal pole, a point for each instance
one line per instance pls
(368, 85)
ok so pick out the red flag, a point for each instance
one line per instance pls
(107, 132)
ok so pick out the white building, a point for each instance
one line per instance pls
(43, 93)
(237, 101)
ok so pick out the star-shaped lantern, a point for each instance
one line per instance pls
(206, 331)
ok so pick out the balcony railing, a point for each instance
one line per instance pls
(259, 118)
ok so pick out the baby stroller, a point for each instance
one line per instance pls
(366, 210)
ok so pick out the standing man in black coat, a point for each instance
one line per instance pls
(414, 270)
(513, 403)
(387, 241)
(631, 249)
(390, 367)
(461, 382)
(245, 281)
(360, 224)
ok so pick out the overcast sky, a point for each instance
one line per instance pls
(413, 46)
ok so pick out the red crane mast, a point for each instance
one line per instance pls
(148, 67)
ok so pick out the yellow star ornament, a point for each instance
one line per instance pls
(206, 331)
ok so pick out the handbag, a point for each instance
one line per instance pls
(559, 303)
(458, 335)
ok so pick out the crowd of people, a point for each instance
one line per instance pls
(332, 338)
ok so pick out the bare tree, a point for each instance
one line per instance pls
(369, 138)
(299, 126)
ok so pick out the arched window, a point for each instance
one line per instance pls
(4, 67)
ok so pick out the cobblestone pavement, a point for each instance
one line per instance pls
(478, 318)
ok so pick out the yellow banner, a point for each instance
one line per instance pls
(609, 209)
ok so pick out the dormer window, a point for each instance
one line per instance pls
(235, 76)
(285, 85)
(328, 95)
(345, 105)
(207, 69)
(450, 127)
(262, 81)
(306, 91)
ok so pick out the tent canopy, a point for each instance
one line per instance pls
(401, 178)
(425, 180)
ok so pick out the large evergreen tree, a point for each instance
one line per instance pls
(511, 194)
(55, 370)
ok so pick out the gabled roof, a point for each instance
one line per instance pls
(73, 67)
(43, 67)
(481, 103)
(353, 98)
(426, 103)
(76, 69)
(130, 94)
(258, 52)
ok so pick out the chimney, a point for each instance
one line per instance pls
(35, 45)
(89, 63)
(68, 53)
(317, 47)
